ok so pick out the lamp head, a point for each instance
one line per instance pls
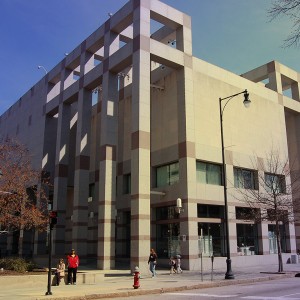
(246, 99)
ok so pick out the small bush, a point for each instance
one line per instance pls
(16, 264)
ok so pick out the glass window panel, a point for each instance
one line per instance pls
(174, 173)
(209, 173)
(244, 178)
(275, 183)
(127, 184)
(162, 176)
(213, 174)
(201, 172)
(167, 175)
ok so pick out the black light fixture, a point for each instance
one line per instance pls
(246, 101)
(229, 274)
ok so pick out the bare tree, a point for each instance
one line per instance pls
(23, 203)
(291, 10)
(271, 200)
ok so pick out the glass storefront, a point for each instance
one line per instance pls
(167, 234)
(211, 239)
(247, 239)
(273, 239)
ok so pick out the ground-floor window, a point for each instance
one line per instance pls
(168, 240)
(273, 239)
(211, 239)
(247, 239)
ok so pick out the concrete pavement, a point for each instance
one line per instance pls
(98, 284)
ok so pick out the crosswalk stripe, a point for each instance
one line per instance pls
(203, 295)
(269, 298)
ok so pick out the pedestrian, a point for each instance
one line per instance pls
(60, 271)
(73, 263)
(178, 263)
(152, 261)
(172, 264)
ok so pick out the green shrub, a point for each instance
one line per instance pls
(16, 264)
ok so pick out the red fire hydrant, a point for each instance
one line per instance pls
(136, 278)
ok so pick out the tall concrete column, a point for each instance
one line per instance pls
(81, 178)
(296, 90)
(107, 159)
(187, 165)
(140, 137)
(61, 177)
(107, 172)
(186, 146)
(48, 161)
(275, 83)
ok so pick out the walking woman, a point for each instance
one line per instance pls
(152, 261)
(73, 263)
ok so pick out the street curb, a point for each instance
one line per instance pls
(203, 285)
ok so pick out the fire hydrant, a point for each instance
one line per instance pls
(136, 278)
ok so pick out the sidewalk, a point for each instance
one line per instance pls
(110, 284)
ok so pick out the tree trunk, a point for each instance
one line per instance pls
(279, 251)
(20, 244)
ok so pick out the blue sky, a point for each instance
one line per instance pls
(233, 34)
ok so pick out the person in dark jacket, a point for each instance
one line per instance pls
(73, 263)
(152, 261)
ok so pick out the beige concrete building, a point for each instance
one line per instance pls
(129, 122)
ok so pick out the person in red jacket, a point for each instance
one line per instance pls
(73, 263)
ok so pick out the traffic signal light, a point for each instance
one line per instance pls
(53, 218)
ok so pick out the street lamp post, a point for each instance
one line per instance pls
(229, 274)
(52, 222)
(42, 67)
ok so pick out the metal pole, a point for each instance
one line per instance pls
(49, 261)
(229, 274)
(212, 267)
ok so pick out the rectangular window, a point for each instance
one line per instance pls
(210, 211)
(275, 183)
(167, 175)
(209, 173)
(246, 179)
(91, 192)
(127, 184)
(246, 213)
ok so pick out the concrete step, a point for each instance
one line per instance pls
(83, 277)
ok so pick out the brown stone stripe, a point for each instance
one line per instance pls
(186, 149)
(80, 207)
(108, 152)
(106, 239)
(140, 237)
(107, 221)
(60, 242)
(78, 224)
(82, 162)
(61, 170)
(107, 202)
(79, 240)
(140, 139)
(140, 196)
(140, 217)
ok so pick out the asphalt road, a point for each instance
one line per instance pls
(284, 289)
